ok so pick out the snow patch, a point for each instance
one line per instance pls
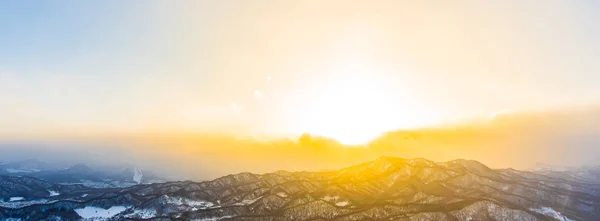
(188, 202)
(330, 198)
(22, 203)
(137, 175)
(213, 218)
(334, 199)
(342, 203)
(550, 212)
(282, 194)
(248, 202)
(143, 213)
(16, 198)
(53, 193)
(91, 212)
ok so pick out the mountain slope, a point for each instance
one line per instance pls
(385, 189)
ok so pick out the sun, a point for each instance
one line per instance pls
(346, 111)
(354, 104)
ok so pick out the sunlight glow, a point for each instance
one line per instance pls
(355, 106)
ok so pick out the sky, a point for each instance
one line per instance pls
(349, 70)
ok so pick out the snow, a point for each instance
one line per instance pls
(335, 199)
(387, 166)
(550, 212)
(248, 201)
(53, 193)
(342, 203)
(396, 175)
(188, 202)
(213, 218)
(330, 198)
(16, 198)
(137, 175)
(22, 203)
(91, 212)
(143, 213)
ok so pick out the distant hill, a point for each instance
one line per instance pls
(124, 176)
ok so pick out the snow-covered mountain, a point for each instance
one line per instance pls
(387, 188)
(126, 175)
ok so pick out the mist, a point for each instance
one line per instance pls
(513, 140)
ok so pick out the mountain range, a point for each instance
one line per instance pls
(97, 177)
(387, 188)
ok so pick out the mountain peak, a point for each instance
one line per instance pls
(79, 168)
(385, 163)
(471, 166)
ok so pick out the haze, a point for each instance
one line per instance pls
(193, 84)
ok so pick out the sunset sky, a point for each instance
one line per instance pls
(349, 70)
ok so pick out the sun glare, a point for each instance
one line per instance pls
(353, 105)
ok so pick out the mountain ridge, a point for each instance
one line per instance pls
(387, 188)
